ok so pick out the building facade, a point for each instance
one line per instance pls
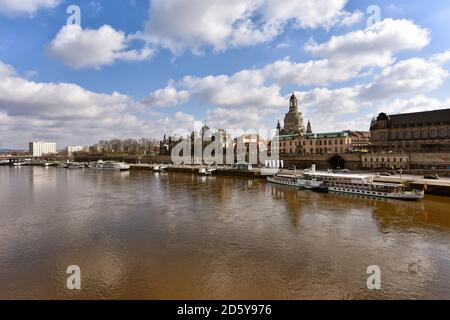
(295, 140)
(324, 143)
(73, 149)
(38, 149)
(412, 132)
(395, 161)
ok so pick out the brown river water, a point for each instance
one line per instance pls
(144, 235)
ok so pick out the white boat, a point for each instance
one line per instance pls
(295, 180)
(205, 172)
(96, 165)
(117, 166)
(19, 164)
(159, 168)
(75, 166)
(364, 185)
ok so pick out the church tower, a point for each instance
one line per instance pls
(293, 121)
(308, 127)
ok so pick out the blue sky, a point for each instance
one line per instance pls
(144, 68)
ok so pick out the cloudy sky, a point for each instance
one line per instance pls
(139, 68)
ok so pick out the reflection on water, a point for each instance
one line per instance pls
(151, 236)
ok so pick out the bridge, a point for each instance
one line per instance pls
(15, 159)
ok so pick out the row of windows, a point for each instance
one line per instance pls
(314, 150)
(317, 142)
(380, 166)
(424, 133)
(383, 160)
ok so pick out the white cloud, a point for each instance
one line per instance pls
(169, 96)
(70, 114)
(243, 89)
(25, 7)
(81, 48)
(180, 25)
(352, 18)
(247, 118)
(381, 39)
(348, 56)
(409, 76)
(415, 104)
(441, 58)
(337, 101)
(6, 70)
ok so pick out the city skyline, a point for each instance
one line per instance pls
(125, 73)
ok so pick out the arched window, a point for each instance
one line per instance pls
(400, 134)
(442, 132)
(408, 134)
(433, 133)
(424, 134)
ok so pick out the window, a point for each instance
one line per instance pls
(433, 133)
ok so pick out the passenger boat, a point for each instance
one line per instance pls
(19, 164)
(295, 180)
(118, 166)
(110, 165)
(205, 172)
(159, 168)
(364, 185)
(72, 166)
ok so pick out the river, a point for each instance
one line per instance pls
(145, 235)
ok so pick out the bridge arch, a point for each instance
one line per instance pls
(337, 162)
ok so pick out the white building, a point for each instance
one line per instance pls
(72, 149)
(37, 149)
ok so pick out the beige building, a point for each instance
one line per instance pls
(73, 149)
(412, 132)
(324, 143)
(385, 161)
(295, 140)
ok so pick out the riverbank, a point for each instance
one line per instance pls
(432, 187)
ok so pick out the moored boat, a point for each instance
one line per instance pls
(294, 180)
(364, 185)
(72, 166)
(117, 166)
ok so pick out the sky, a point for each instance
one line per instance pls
(75, 72)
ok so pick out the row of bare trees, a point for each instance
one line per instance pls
(142, 146)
